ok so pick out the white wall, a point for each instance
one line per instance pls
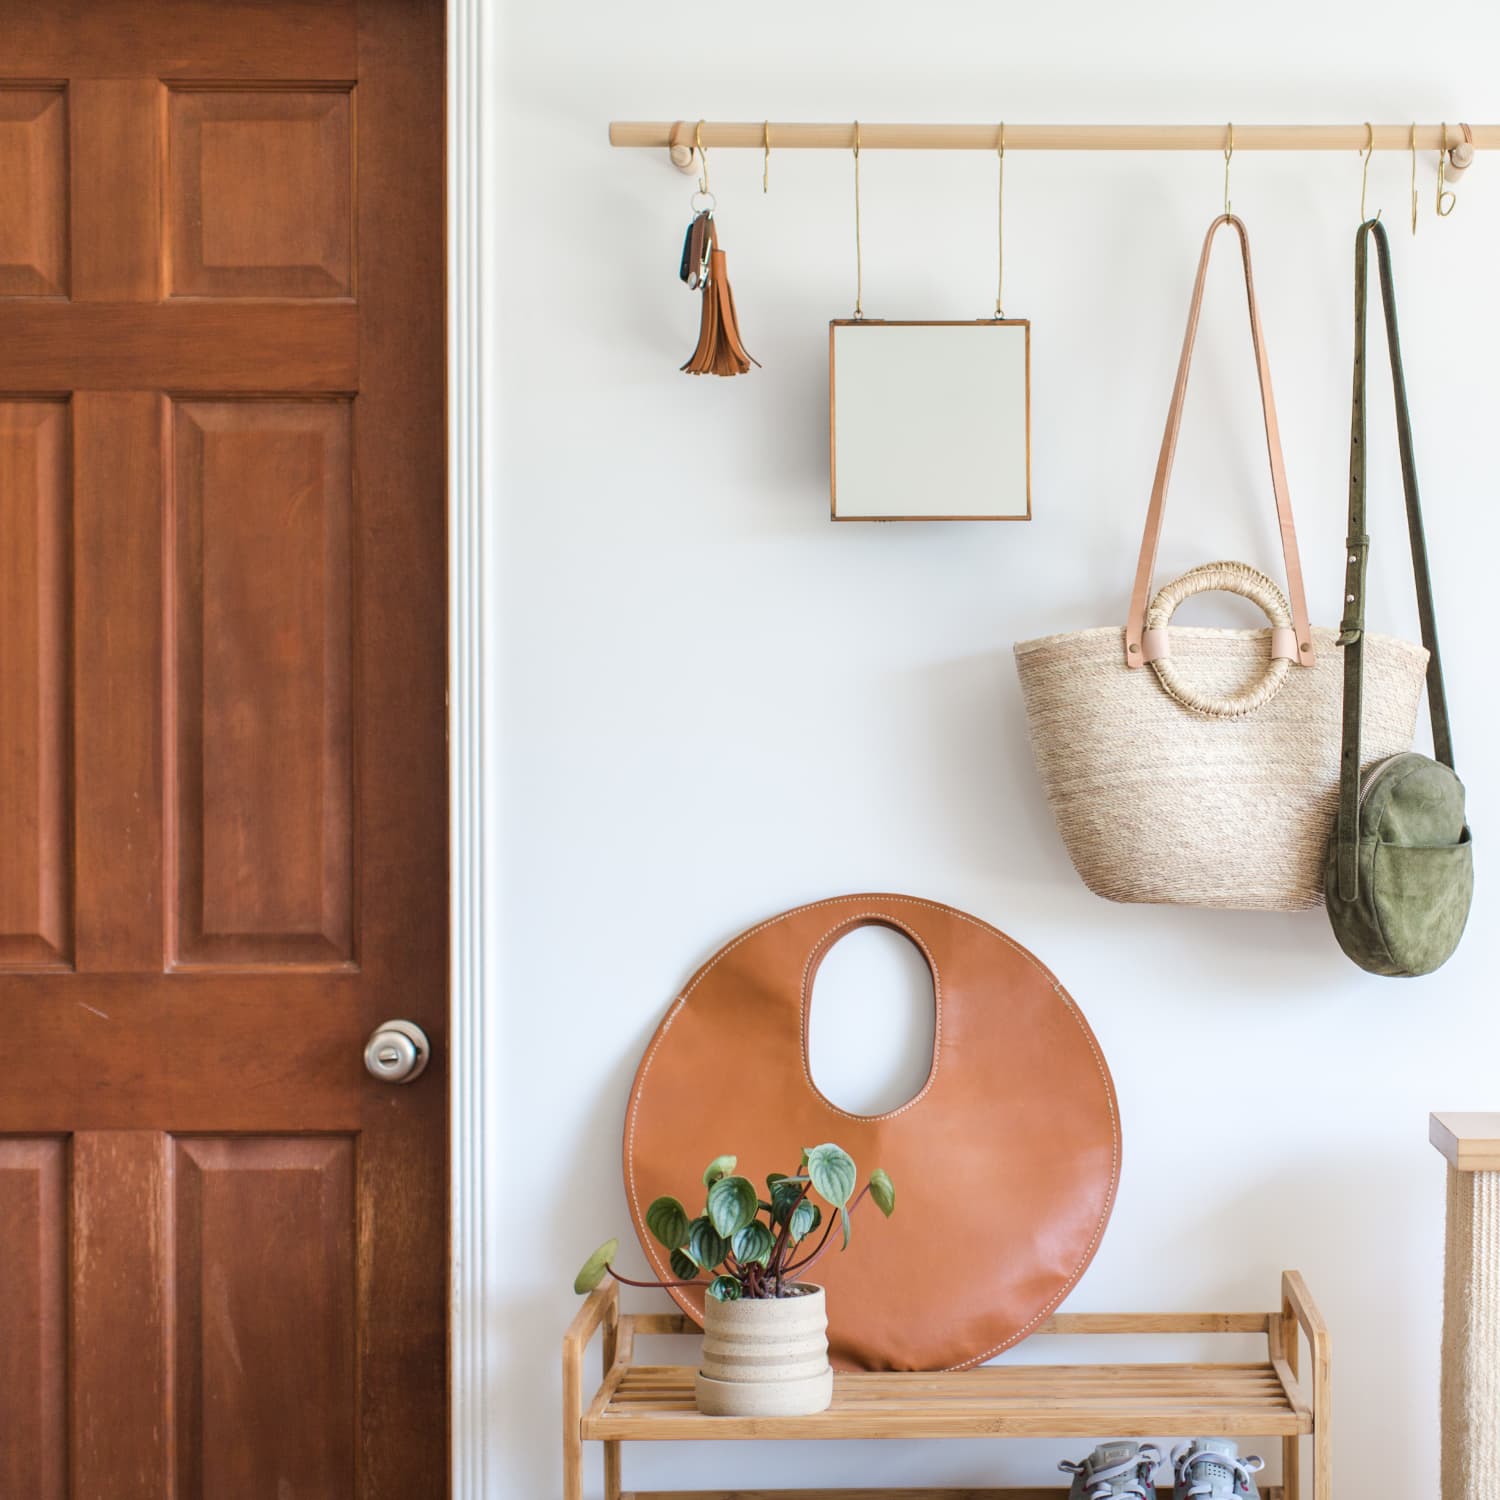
(713, 704)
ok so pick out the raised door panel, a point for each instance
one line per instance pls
(260, 192)
(265, 1280)
(120, 1315)
(33, 1318)
(34, 171)
(35, 761)
(262, 586)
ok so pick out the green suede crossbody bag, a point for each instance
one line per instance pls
(1400, 867)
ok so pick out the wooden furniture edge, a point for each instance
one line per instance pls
(1297, 1302)
(601, 1310)
(1470, 1140)
(1298, 1312)
(603, 1303)
(667, 1324)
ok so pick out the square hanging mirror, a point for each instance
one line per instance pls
(930, 421)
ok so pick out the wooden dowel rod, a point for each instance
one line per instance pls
(877, 137)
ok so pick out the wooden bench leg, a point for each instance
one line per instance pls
(1284, 1347)
(618, 1348)
(1299, 1310)
(601, 1310)
(1323, 1463)
(572, 1418)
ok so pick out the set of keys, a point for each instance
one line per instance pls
(697, 247)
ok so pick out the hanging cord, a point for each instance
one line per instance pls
(859, 253)
(1413, 176)
(1228, 153)
(765, 171)
(1446, 202)
(1364, 176)
(1000, 232)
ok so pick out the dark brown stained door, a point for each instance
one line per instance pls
(223, 792)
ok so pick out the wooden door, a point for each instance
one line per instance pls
(223, 794)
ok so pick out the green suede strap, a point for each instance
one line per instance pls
(1352, 627)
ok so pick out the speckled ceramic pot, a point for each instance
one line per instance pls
(766, 1358)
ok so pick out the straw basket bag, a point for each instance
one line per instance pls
(1210, 779)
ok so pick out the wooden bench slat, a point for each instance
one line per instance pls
(656, 1403)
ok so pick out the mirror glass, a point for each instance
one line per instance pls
(930, 421)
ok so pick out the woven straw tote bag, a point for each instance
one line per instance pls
(1210, 779)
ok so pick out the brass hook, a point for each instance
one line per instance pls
(1364, 176)
(1444, 196)
(765, 171)
(1413, 141)
(1228, 152)
(702, 158)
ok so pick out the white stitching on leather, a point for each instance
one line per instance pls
(664, 1271)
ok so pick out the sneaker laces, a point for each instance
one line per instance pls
(1140, 1465)
(1199, 1469)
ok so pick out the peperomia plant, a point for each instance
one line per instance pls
(749, 1246)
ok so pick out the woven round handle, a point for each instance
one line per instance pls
(1221, 577)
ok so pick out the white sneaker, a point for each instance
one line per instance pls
(1212, 1469)
(1115, 1471)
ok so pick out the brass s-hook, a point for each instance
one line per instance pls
(1228, 153)
(1413, 141)
(1446, 202)
(1364, 176)
(702, 158)
(765, 171)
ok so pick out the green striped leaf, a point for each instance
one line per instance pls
(667, 1219)
(832, 1171)
(753, 1243)
(706, 1246)
(833, 1174)
(805, 1218)
(784, 1195)
(732, 1203)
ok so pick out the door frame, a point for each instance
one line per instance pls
(474, 1351)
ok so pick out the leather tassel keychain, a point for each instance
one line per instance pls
(720, 349)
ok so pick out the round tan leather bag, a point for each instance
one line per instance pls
(1005, 1163)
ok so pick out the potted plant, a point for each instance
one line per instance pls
(765, 1343)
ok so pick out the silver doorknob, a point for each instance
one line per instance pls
(397, 1052)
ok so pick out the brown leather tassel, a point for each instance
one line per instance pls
(720, 350)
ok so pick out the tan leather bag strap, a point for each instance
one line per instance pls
(1296, 597)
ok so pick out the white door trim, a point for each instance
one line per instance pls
(470, 266)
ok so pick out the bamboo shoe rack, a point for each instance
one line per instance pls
(1264, 1398)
